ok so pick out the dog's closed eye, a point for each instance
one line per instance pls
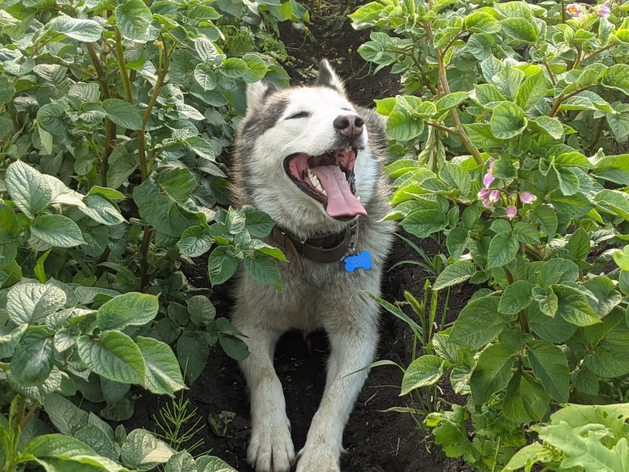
(299, 114)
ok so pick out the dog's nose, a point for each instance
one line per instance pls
(349, 125)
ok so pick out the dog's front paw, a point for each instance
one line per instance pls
(318, 459)
(271, 448)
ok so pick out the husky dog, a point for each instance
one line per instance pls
(313, 161)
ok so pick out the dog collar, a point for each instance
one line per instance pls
(325, 249)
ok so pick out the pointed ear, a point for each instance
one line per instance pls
(257, 93)
(328, 78)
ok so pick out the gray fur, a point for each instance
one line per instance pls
(315, 295)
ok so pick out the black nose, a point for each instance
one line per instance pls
(349, 125)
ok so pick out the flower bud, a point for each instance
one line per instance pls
(483, 193)
(494, 196)
(511, 211)
(527, 198)
(488, 179)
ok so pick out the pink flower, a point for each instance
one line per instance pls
(487, 203)
(574, 9)
(511, 211)
(602, 10)
(483, 193)
(527, 198)
(494, 196)
(488, 179)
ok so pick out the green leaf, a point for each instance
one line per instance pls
(192, 353)
(525, 233)
(492, 372)
(557, 271)
(51, 118)
(213, 464)
(122, 112)
(28, 188)
(525, 399)
(263, 269)
(129, 309)
(33, 358)
(480, 45)
(87, 31)
(457, 177)
(605, 292)
(548, 302)
(584, 452)
(516, 297)
(143, 451)
(195, 241)
(451, 100)
(163, 376)
(481, 22)
(478, 323)
(423, 372)
(234, 67)
(551, 126)
(619, 126)
(181, 462)
(532, 91)
(520, 29)
(579, 244)
(256, 68)
(233, 346)
(423, 223)
(507, 120)
(547, 219)
(207, 51)
(258, 223)
(617, 77)
(221, 265)
(114, 356)
(457, 241)
(572, 159)
(405, 120)
(134, 18)
(614, 169)
(56, 445)
(568, 181)
(550, 366)
(57, 230)
(574, 306)
(454, 274)
(502, 249)
(159, 197)
(65, 415)
(28, 303)
(201, 310)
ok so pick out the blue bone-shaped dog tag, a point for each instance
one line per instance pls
(358, 261)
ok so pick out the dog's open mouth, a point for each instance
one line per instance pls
(328, 178)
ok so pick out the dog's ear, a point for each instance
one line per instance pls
(257, 93)
(328, 78)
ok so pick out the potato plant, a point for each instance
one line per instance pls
(114, 118)
(510, 132)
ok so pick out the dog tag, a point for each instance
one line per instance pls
(358, 261)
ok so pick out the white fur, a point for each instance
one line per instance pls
(314, 295)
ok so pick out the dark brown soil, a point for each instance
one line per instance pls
(376, 440)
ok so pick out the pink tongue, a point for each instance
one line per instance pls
(341, 200)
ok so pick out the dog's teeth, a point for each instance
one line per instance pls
(348, 149)
(316, 183)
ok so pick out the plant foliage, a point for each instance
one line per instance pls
(510, 131)
(114, 117)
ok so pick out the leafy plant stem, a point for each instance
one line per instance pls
(445, 86)
(144, 254)
(563, 98)
(110, 127)
(126, 83)
(30, 414)
(601, 125)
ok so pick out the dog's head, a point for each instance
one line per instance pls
(305, 154)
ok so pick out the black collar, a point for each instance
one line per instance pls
(326, 249)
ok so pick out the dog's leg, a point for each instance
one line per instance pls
(352, 348)
(271, 447)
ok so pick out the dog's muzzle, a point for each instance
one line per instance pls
(329, 179)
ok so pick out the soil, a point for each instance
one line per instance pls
(375, 440)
